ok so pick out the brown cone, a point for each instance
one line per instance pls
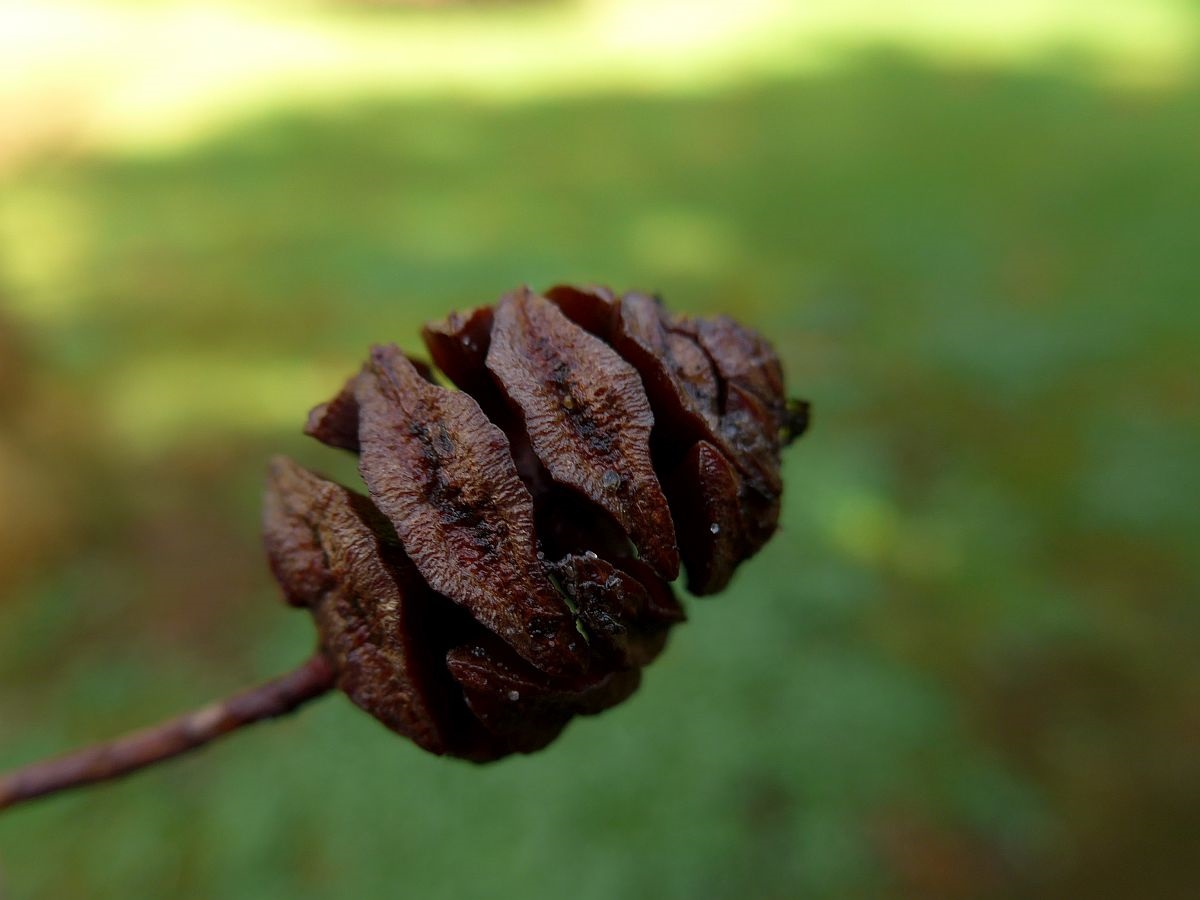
(510, 567)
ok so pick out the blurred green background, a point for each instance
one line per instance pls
(966, 667)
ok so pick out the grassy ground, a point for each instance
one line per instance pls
(965, 668)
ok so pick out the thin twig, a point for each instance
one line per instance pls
(157, 743)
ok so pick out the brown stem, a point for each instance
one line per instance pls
(157, 743)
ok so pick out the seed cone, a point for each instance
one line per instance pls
(510, 567)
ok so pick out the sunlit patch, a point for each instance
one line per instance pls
(684, 242)
(145, 77)
(157, 402)
(43, 234)
(865, 526)
(869, 528)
